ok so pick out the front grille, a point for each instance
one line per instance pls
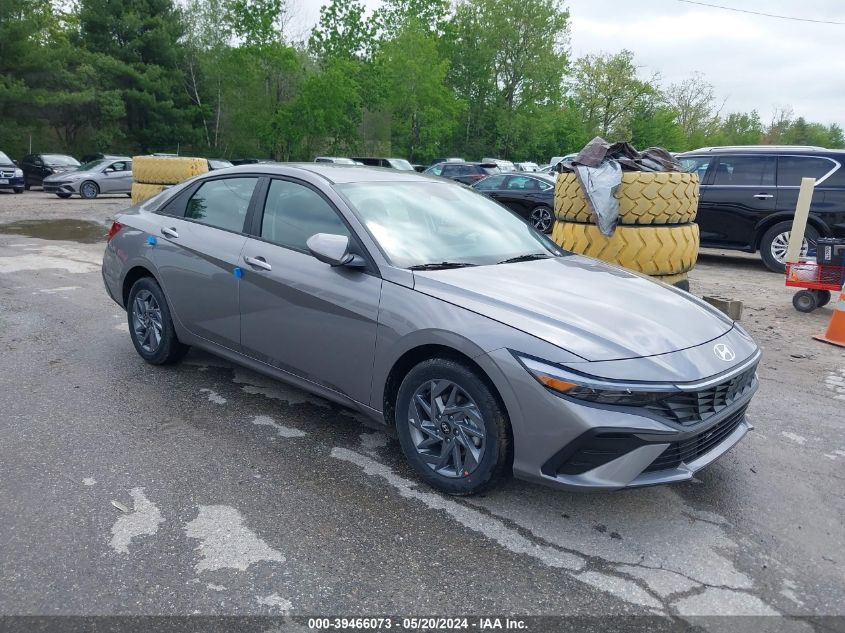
(7, 174)
(696, 446)
(690, 407)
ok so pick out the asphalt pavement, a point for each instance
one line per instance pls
(206, 488)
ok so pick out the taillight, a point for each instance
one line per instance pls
(114, 230)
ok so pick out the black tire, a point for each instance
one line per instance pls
(89, 190)
(19, 190)
(496, 454)
(27, 186)
(822, 297)
(168, 350)
(64, 195)
(805, 301)
(542, 218)
(778, 232)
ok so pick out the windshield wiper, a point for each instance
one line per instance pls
(440, 266)
(525, 258)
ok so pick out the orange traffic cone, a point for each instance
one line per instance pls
(835, 334)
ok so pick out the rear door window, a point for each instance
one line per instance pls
(222, 203)
(791, 169)
(747, 171)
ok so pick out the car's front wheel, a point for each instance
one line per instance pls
(542, 218)
(775, 241)
(19, 190)
(150, 324)
(452, 428)
(89, 190)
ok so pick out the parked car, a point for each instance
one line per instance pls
(447, 160)
(531, 197)
(431, 309)
(218, 163)
(11, 176)
(466, 173)
(107, 175)
(503, 165)
(526, 166)
(748, 196)
(419, 168)
(393, 163)
(36, 167)
(336, 160)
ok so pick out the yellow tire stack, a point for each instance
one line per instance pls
(656, 234)
(153, 174)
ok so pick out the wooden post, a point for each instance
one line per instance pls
(799, 222)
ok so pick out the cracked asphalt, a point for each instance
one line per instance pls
(208, 489)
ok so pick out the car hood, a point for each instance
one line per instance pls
(590, 309)
(64, 173)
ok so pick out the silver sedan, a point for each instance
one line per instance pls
(434, 310)
(112, 174)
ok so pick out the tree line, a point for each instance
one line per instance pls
(416, 79)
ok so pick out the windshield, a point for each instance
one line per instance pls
(60, 160)
(419, 223)
(92, 165)
(401, 163)
(5, 160)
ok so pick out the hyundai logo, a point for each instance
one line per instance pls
(723, 352)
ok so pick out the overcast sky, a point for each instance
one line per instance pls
(754, 62)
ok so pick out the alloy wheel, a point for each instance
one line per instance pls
(88, 190)
(781, 242)
(146, 321)
(541, 219)
(447, 428)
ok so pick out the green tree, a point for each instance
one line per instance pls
(136, 49)
(694, 102)
(608, 91)
(423, 109)
(506, 59)
(343, 32)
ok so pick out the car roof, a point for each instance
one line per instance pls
(809, 150)
(334, 173)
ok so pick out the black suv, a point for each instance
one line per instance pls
(467, 173)
(749, 193)
(36, 167)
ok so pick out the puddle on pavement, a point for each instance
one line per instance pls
(82, 231)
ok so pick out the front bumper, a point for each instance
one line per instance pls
(61, 186)
(576, 445)
(10, 182)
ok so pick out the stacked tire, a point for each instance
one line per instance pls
(153, 174)
(656, 234)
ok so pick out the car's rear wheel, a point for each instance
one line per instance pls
(452, 428)
(63, 194)
(775, 241)
(19, 190)
(89, 190)
(542, 218)
(150, 324)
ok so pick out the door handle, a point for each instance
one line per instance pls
(763, 196)
(258, 262)
(169, 232)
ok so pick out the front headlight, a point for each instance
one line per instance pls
(18, 173)
(592, 389)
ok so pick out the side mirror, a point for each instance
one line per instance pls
(334, 250)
